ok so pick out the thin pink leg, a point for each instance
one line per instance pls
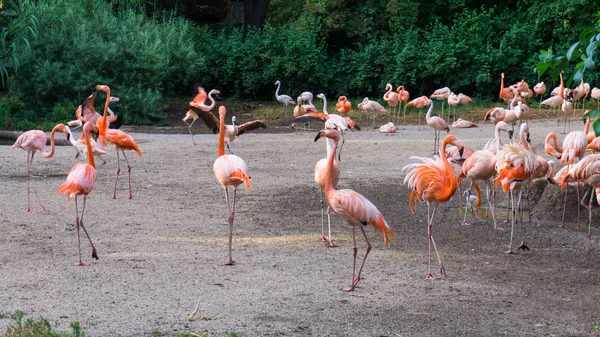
(351, 288)
(118, 171)
(128, 174)
(94, 254)
(77, 224)
(230, 219)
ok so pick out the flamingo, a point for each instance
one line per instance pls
(506, 94)
(463, 124)
(81, 181)
(403, 96)
(418, 103)
(119, 139)
(198, 104)
(307, 96)
(388, 128)
(580, 93)
(515, 164)
(463, 100)
(441, 95)
(343, 105)
(391, 97)
(495, 144)
(432, 180)
(437, 123)
(596, 96)
(283, 99)
(81, 147)
(320, 178)
(375, 107)
(31, 142)
(508, 116)
(230, 170)
(353, 207)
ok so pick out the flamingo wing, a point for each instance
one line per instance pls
(252, 125)
(208, 118)
(122, 141)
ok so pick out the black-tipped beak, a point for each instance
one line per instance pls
(462, 149)
(528, 139)
(510, 134)
(68, 136)
(318, 136)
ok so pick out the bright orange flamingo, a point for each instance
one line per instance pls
(403, 96)
(230, 170)
(320, 177)
(506, 94)
(343, 105)
(32, 141)
(81, 181)
(515, 164)
(391, 97)
(352, 206)
(198, 104)
(432, 180)
(120, 139)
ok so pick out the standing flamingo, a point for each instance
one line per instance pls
(283, 99)
(120, 139)
(230, 170)
(596, 95)
(81, 181)
(352, 206)
(403, 96)
(32, 141)
(81, 147)
(320, 178)
(506, 94)
(515, 164)
(437, 123)
(441, 95)
(307, 96)
(391, 97)
(432, 180)
(198, 103)
(375, 107)
(418, 103)
(343, 105)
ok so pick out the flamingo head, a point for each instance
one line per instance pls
(490, 114)
(277, 83)
(452, 140)
(233, 119)
(321, 96)
(222, 111)
(104, 88)
(331, 134)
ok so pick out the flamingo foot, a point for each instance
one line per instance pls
(430, 277)
(442, 271)
(356, 280)
(498, 228)
(323, 239)
(130, 196)
(81, 264)
(510, 251)
(29, 210)
(331, 244)
(349, 289)
(464, 223)
(523, 246)
(227, 263)
(44, 210)
(94, 254)
(578, 226)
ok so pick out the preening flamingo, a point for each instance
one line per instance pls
(418, 103)
(375, 107)
(81, 147)
(81, 181)
(352, 206)
(391, 97)
(283, 99)
(320, 177)
(198, 104)
(432, 180)
(230, 170)
(437, 123)
(343, 105)
(31, 142)
(441, 95)
(515, 164)
(403, 96)
(119, 139)
(495, 144)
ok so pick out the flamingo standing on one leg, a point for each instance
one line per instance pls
(391, 97)
(434, 181)
(352, 206)
(120, 139)
(81, 181)
(320, 177)
(418, 103)
(32, 141)
(403, 96)
(230, 170)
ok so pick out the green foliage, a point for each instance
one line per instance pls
(41, 327)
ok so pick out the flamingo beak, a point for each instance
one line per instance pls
(319, 135)
(528, 139)
(510, 134)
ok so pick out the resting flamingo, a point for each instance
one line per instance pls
(353, 207)
(198, 104)
(320, 177)
(515, 164)
(230, 170)
(463, 124)
(596, 95)
(388, 128)
(391, 97)
(119, 139)
(343, 105)
(31, 142)
(437, 123)
(403, 96)
(481, 165)
(81, 181)
(432, 180)
(418, 103)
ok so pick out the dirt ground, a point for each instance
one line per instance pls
(159, 252)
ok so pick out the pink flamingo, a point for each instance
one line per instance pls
(418, 103)
(463, 124)
(441, 95)
(343, 105)
(81, 181)
(437, 123)
(432, 180)
(391, 97)
(32, 141)
(230, 170)
(198, 104)
(320, 179)
(403, 96)
(352, 206)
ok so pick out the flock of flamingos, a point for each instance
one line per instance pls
(513, 165)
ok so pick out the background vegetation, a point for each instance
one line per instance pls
(148, 54)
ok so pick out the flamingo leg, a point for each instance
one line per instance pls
(322, 204)
(94, 254)
(488, 192)
(465, 218)
(128, 174)
(29, 165)
(578, 208)
(512, 224)
(523, 246)
(420, 119)
(404, 114)
(351, 288)
(117, 178)
(589, 206)
(357, 279)
(77, 224)
(330, 241)
(562, 224)
(432, 242)
(229, 261)
(190, 130)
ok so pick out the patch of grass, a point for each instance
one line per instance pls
(156, 332)
(39, 327)
(233, 334)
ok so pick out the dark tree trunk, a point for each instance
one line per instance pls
(255, 12)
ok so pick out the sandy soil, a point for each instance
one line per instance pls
(159, 251)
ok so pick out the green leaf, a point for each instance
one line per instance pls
(596, 126)
(592, 113)
(573, 50)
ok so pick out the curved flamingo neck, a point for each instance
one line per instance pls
(497, 136)
(277, 90)
(428, 115)
(443, 153)
(330, 158)
(389, 90)
(106, 103)
(501, 84)
(523, 139)
(562, 87)
(52, 147)
(212, 100)
(221, 145)
(325, 106)
(586, 128)
(88, 143)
